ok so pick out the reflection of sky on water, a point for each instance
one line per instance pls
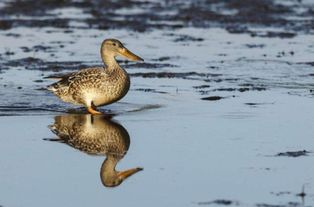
(96, 135)
(190, 154)
(192, 150)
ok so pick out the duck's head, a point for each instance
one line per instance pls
(110, 177)
(110, 48)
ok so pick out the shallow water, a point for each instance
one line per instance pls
(213, 116)
(221, 150)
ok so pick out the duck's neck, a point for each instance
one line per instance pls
(110, 176)
(109, 60)
(108, 172)
(108, 167)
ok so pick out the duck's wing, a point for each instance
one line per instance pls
(63, 83)
(76, 78)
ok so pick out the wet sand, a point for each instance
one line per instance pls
(219, 114)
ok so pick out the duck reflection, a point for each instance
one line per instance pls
(96, 135)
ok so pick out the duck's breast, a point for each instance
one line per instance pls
(112, 88)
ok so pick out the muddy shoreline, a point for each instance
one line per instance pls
(234, 16)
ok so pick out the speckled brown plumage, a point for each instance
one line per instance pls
(97, 86)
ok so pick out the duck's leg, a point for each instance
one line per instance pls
(91, 108)
(93, 111)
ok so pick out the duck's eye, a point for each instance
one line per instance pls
(114, 44)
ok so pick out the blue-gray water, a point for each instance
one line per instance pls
(222, 151)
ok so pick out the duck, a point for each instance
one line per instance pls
(97, 86)
(96, 135)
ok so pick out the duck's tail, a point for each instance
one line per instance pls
(52, 88)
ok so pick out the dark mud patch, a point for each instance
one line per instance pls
(205, 90)
(302, 194)
(242, 14)
(5, 25)
(151, 65)
(201, 86)
(145, 107)
(281, 193)
(38, 81)
(31, 63)
(284, 54)
(150, 90)
(290, 204)
(257, 104)
(222, 202)
(161, 59)
(255, 45)
(307, 63)
(255, 88)
(185, 38)
(212, 98)
(186, 75)
(38, 48)
(212, 67)
(271, 34)
(12, 23)
(293, 153)
(12, 35)
(267, 34)
(37, 8)
(242, 89)
(235, 16)
(218, 80)
(8, 53)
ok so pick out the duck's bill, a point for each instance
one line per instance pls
(127, 173)
(129, 55)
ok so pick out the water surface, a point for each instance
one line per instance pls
(213, 115)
